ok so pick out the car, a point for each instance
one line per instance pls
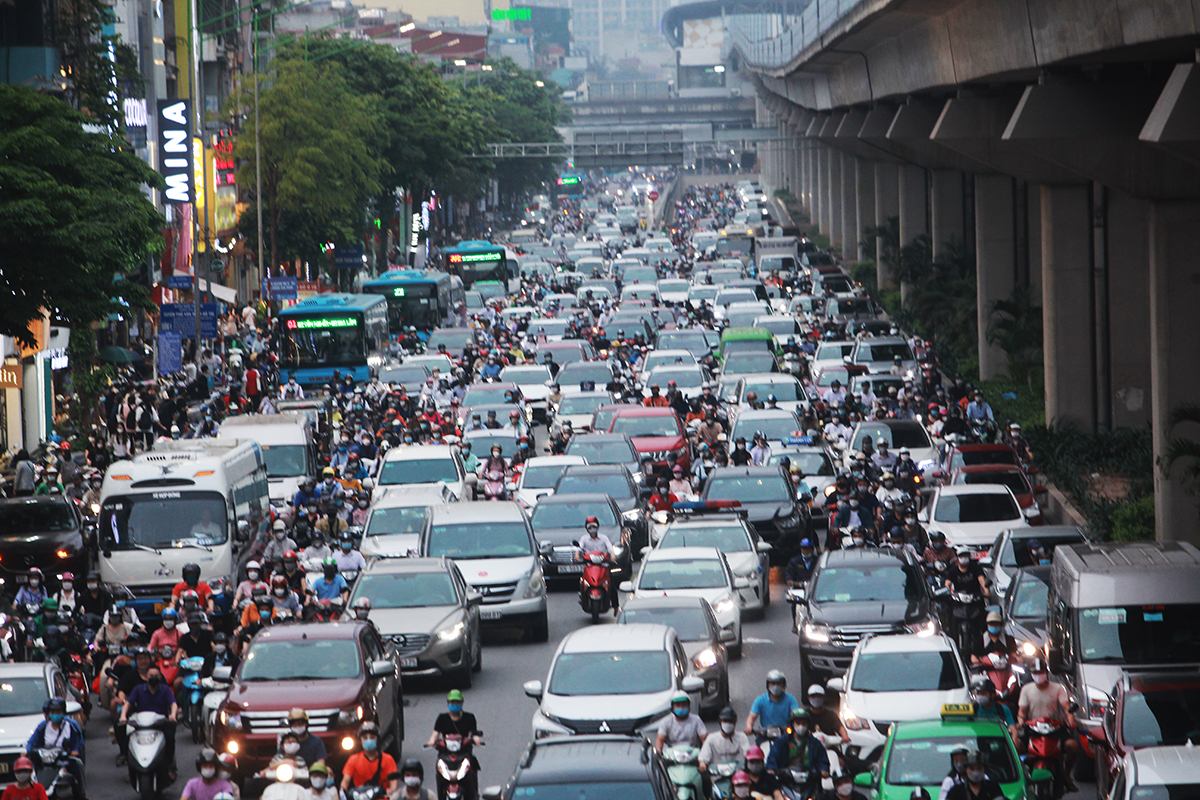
(694, 572)
(853, 594)
(1012, 477)
(893, 678)
(775, 424)
(1025, 611)
(782, 326)
(430, 464)
(1158, 772)
(600, 765)
(598, 373)
(427, 615)
(558, 521)
(744, 314)
(493, 545)
(879, 353)
(434, 362)
(673, 291)
(615, 481)
(697, 627)
(491, 394)
(577, 407)
(844, 307)
(1010, 551)
(538, 476)
(612, 679)
(656, 432)
(44, 531)
(769, 500)
(897, 433)
(340, 669)
(409, 376)
(690, 380)
(747, 363)
(959, 454)
(786, 388)
(482, 442)
(830, 353)
(699, 343)
(534, 380)
(748, 556)
(456, 340)
(567, 351)
(917, 756)
(972, 516)
(607, 449)
(397, 517)
(27, 686)
(816, 467)
(1148, 709)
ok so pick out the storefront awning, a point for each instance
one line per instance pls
(219, 291)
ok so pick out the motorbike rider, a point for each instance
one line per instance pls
(311, 748)
(282, 596)
(967, 577)
(209, 783)
(26, 788)
(977, 785)
(280, 542)
(772, 708)
(762, 782)
(454, 720)
(799, 569)
(957, 773)
(408, 786)
(369, 764)
(347, 557)
(94, 599)
(995, 640)
(246, 588)
(191, 582)
(937, 550)
(662, 499)
(57, 730)
(740, 457)
(824, 719)
(153, 696)
(727, 744)
(331, 585)
(221, 656)
(843, 785)
(168, 634)
(1047, 699)
(34, 592)
(799, 750)
(597, 542)
(983, 692)
(682, 727)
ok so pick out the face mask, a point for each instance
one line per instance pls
(219, 649)
(680, 712)
(363, 504)
(168, 624)
(910, 520)
(412, 780)
(727, 728)
(280, 592)
(775, 690)
(23, 776)
(845, 789)
(741, 791)
(299, 730)
(279, 535)
(859, 542)
(56, 718)
(34, 583)
(801, 731)
(817, 702)
(67, 586)
(369, 745)
(455, 708)
(854, 504)
(154, 682)
(754, 767)
(252, 575)
(317, 782)
(1041, 679)
(207, 772)
(994, 630)
(975, 775)
(346, 546)
(291, 748)
(93, 586)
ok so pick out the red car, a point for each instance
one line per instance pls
(656, 432)
(1005, 474)
(970, 455)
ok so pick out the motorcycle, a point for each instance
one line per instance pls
(683, 772)
(456, 778)
(216, 689)
(148, 763)
(1002, 675)
(288, 781)
(192, 696)
(966, 619)
(1044, 757)
(720, 774)
(595, 595)
(75, 667)
(494, 487)
(50, 761)
(799, 784)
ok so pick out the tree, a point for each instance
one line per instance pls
(1184, 448)
(73, 215)
(1016, 328)
(320, 157)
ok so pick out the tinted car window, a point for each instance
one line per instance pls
(19, 518)
(906, 672)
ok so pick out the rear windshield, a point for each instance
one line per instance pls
(407, 590)
(854, 584)
(571, 515)
(976, 508)
(689, 623)
(682, 573)
(646, 426)
(921, 671)
(603, 452)
(749, 489)
(616, 486)
(418, 470)
(391, 521)
(479, 540)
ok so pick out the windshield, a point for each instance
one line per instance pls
(781, 327)
(609, 452)
(418, 470)
(749, 362)
(454, 340)
(391, 521)
(924, 762)
(1016, 550)
(407, 590)
(692, 342)
(749, 489)
(403, 375)
(482, 444)
(845, 306)
(613, 485)
(686, 378)
(1158, 634)
(285, 460)
(774, 428)
(542, 477)
(163, 519)
(729, 296)
(690, 623)
(912, 436)
(1029, 597)
(660, 359)
(883, 352)
(479, 540)
(831, 351)
(1164, 714)
(483, 395)
(324, 341)
(526, 377)
(907, 672)
(704, 292)
(673, 286)
(1013, 480)
(20, 519)
(682, 573)
(571, 515)
(301, 659)
(661, 425)
(589, 674)
(22, 696)
(976, 508)
(581, 404)
(726, 538)
(856, 584)
(734, 246)
(810, 464)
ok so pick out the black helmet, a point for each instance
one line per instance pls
(414, 766)
(220, 637)
(368, 727)
(191, 573)
(727, 715)
(54, 704)
(206, 756)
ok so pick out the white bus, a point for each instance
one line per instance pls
(181, 502)
(287, 445)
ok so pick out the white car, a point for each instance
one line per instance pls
(898, 677)
(393, 528)
(1149, 773)
(788, 391)
(830, 354)
(578, 408)
(534, 380)
(539, 476)
(663, 358)
(973, 514)
(26, 687)
(694, 572)
(612, 679)
(673, 290)
(878, 355)
(748, 556)
(424, 465)
(690, 379)
(775, 424)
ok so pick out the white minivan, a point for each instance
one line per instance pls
(287, 445)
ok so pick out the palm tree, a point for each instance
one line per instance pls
(1016, 328)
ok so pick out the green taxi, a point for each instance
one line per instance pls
(917, 753)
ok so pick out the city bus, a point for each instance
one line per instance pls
(346, 333)
(423, 299)
(478, 260)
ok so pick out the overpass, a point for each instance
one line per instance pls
(647, 146)
(1058, 138)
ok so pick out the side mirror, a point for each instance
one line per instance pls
(474, 598)
(1054, 659)
(381, 668)
(692, 683)
(73, 708)
(797, 594)
(546, 548)
(645, 551)
(986, 561)
(763, 547)
(625, 586)
(223, 674)
(1041, 776)
(836, 685)
(923, 515)
(864, 779)
(1032, 513)
(533, 689)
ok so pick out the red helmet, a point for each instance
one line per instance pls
(21, 763)
(741, 778)
(289, 555)
(277, 581)
(755, 754)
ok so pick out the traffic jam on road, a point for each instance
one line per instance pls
(655, 420)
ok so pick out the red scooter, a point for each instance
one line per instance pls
(1000, 672)
(1044, 754)
(595, 585)
(456, 779)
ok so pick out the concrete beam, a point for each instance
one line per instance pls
(1174, 122)
(995, 261)
(909, 138)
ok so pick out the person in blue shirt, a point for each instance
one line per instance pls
(799, 750)
(332, 585)
(305, 495)
(57, 730)
(983, 692)
(772, 708)
(470, 460)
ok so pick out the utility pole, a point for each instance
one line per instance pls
(264, 270)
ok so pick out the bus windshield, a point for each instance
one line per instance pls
(159, 520)
(324, 341)
(285, 460)
(414, 303)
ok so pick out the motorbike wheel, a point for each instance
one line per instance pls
(595, 613)
(146, 789)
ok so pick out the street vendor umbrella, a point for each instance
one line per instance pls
(117, 355)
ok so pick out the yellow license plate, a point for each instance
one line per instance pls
(4, 768)
(158, 607)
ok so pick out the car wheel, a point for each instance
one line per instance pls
(462, 677)
(735, 651)
(396, 738)
(1101, 768)
(539, 631)
(766, 590)
(477, 664)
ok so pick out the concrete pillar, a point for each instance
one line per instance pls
(833, 227)
(946, 205)
(913, 218)
(1067, 311)
(850, 231)
(1033, 242)
(1175, 358)
(995, 260)
(864, 176)
(821, 201)
(887, 205)
(1128, 235)
(810, 178)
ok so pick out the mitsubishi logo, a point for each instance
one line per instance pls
(604, 727)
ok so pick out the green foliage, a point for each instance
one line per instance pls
(864, 272)
(87, 379)
(889, 233)
(1028, 408)
(1016, 328)
(1134, 522)
(73, 215)
(785, 196)
(941, 303)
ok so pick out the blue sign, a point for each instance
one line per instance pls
(283, 288)
(350, 257)
(170, 352)
(181, 318)
(179, 281)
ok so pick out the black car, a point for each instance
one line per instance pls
(615, 481)
(769, 501)
(853, 593)
(1025, 610)
(45, 532)
(559, 519)
(564, 767)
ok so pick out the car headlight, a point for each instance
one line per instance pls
(815, 632)
(705, 658)
(453, 632)
(724, 606)
(231, 721)
(350, 716)
(924, 628)
(1097, 702)
(853, 722)
(536, 584)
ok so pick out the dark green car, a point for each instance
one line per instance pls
(917, 753)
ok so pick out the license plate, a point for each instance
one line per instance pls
(567, 568)
(4, 768)
(489, 615)
(158, 607)
(408, 663)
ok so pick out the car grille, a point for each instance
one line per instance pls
(408, 643)
(625, 726)
(6, 762)
(275, 722)
(658, 455)
(850, 635)
(496, 593)
(563, 555)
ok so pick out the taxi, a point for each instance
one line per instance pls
(917, 753)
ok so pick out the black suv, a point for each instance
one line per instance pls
(627, 766)
(769, 501)
(853, 593)
(45, 532)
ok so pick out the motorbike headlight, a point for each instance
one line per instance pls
(1097, 702)
(705, 658)
(1028, 649)
(536, 584)
(455, 631)
(231, 721)
(350, 716)
(924, 628)
(815, 632)
(632, 516)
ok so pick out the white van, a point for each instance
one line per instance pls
(287, 445)
(393, 528)
(186, 501)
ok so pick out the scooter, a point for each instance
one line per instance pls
(494, 487)
(193, 696)
(216, 690)
(1044, 757)
(797, 784)
(720, 775)
(288, 782)
(148, 762)
(683, 772)
(50, 761)
(595, 595)
(456, 778)
(1003, 677)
